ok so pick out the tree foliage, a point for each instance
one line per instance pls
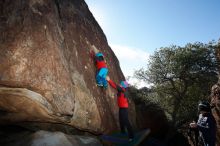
(181, 76)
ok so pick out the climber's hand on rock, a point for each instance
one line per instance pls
(94, 49)
(107, 78)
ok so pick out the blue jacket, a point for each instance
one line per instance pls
(207, 127)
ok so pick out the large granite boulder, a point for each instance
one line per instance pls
(215, 102)
(46, 71)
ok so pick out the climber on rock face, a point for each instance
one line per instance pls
(101, 66)
(123, 107)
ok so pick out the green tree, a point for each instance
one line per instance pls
(181, 76)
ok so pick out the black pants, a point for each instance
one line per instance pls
(124, 122)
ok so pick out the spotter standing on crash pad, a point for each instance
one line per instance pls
(123, 107)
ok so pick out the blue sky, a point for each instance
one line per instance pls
(136, 28)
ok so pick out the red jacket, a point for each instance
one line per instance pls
(122, 100)
(100, 64)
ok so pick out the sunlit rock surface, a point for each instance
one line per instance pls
(46, 70)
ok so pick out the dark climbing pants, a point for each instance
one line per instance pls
(124, 122)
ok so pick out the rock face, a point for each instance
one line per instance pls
(46, 72)
(215, 102)
(151, 116)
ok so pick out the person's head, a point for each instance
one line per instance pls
(124, 84)
(204, 106)
(99, 54)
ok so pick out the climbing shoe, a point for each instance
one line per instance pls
(100, 85)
